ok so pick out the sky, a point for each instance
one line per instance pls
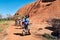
(12, 6)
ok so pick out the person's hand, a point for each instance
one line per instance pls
(30, 23)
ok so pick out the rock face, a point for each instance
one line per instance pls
(41, 10)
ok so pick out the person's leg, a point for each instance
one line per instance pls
(26, 27)
(19, 23)
(16, 22)
(23, 25)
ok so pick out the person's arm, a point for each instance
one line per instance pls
(29, 22)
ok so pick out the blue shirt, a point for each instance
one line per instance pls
(26, 21)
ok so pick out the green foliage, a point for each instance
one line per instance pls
(0, 21)
(1, 29)
(49, 37)
(46, 35)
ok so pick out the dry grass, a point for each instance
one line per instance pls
(3, 26)
(1, 29)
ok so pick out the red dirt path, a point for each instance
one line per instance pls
(15, 29)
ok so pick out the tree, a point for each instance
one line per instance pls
(9, 16)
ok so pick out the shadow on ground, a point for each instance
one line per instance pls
(19, 28)
(50, 28)
(54, 33)
(20, 34)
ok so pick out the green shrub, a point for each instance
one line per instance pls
(49, 37)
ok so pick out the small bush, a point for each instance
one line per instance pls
(50, 37)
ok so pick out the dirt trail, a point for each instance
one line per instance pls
(15, 29)
(12, 30)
